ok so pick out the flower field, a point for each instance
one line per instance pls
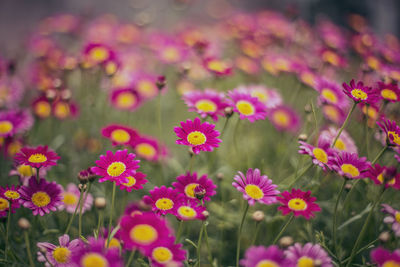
(257, 140)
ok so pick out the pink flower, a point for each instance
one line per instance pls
(187, 183)
(119, 134)
(360, 93)
(206, 103)
(163, 199)
(349, 165)
(247, 106)
(299, 202)
(37, 157)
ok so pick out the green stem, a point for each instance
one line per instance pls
(199, 243)
(300, 174)
(73, 215)
(28, 249)
(379, 155)
(178, 234)
(191, 162)
(235, 134)
(81, 203)
(131, 256)
(224, 128)
(363, 248)
(7, 230)
(334, 224)
(99, 222)
(111, 214)
(240, 233)
(207, 244)
(256, 233)
(37, 175)
(366, 131)
(364, 228)
(283, 229)
(344, 124)
(159, 113)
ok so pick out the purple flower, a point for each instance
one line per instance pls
(349, 165)
(187, 183)
(385, 258)
(392, 218)
(307, 255)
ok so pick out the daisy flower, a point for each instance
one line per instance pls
(392, 218)
(256, 187)
(37, 157)
(166, 253)
(200, 136)
(64, 109)
(350, 165)
(163, 199)
(125, 99)
(330, 93)
(269, 97)
(94, 53)
(135, 182)
(344, 142)
(385, 258)
(321, 155)
(71, 198)
(11, 194)
(171, 52)
(257, 256)
(59, 255)
(116, 167)
(14, 121)
(247, 106)
(360, 93)
(299, 202)
(187, 183)
(206, 103)
(284, 118)
(149, 148)
(333, 113)
(189, 209)
(119, 134)
(392, 131)
(217, 66)
(145, 85)
(41, 107)
(382, 174)
(307, 255)
(41, 197)
(389, 91)
(94, 253)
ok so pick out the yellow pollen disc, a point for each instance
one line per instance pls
(70, 199)
(61, 110)
(373, 63)
(305, 262)
(145, 150)
(340, 145)
(245, 107)
(164, 204)
(216, 65)
(5, 127)
(187, 212)
(391, 263)
(120, 136)
(196, 138)
(254, 191)
(206, 105)
(380, 178)
(395, 138)
(189, 190)
(114, 243)
(111, 68)
(94, 259)
(25, 170)
(170, 54)
(40, 199)
(308, 78)
(331, 57)
(4, 204)
(146, 88)
(320, 155)
(116, 169)
(329, 95)
(359, 94)
(11, 194)
(126, 100)
(281, 118)
(61, 254)
(267, 263)
(42, 109)
(99, 54)
(350, 170)
(331, 112)
(131, 181)
(143, 234)
(263, 97)
(161, 254)
(37, 158)
(297, 204)
(14, 148)
(392, 181)
(397, 217)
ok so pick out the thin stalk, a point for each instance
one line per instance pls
(363, 248)
(191, 162)
(159, 113)
(99, 222)
(111, 214)
(131, 256)
(81, 203)
(283, 229)
(199, 243)
(224, 128)
(240, 233)
(37, 175)
(379, 155)
(256, 233)
(207, 244)
(344, 124)
(28, 249)
(334, 224)
(178, 234)
(73, 215)
(235, 134)
(7, 230)
(366, 131)
(300, 174)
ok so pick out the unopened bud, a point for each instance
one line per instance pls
(191, 153)
(199, 192)
(258, 215)
(220, 176)
(308, 108)
(66, 94)
(86, 176)
(302, 137)
(228, 112)
(317, 263)
(24, 224)
(57, 83)
(205, 214)
(160, 83)
(384, 236)
(100, 203)
(285, 241)
(191, 261)
(51, 93)
(82, 187)
(348, 186)
(42, 250)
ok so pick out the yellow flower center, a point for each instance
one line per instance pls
(331, 57)
(281, 118)
(262, 97)
(380, 178)
(43, 109)
(162, 254)
(116, 169)
(297, 204)
(397, 217)
(331, 112)
(267, 263)
(131, 181)
(40, 199)
(391, 263)
(196, 138)
(189, 190)
(25, 170)
(329, 95)
(11, 194)
(70, 198)
(216, 65)
(94, 259)
(5, 127)
(126, 100)
(114, 243)
(164, 204)
(120, 136)
(145, 150)
(4, 204)
(37, 158)
(61, 254)
(373, 63)
(146, 88)
(61, 110)
(395, 138)
(350, 170)
(245, 107)
(320, 155)
(340, 145)
(308, 78)
(143, 234)
(170, 54)
(99, 54)
(254, 191)
(359, 94)
(206, 105)
(187, 212)
(305, 262)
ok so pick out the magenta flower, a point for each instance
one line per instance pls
(163, 199)
(344, 143)
(59, 255)
(97, 54)
(307, 255)
(200, 136)
(71, 198)
(37, 157)
(9, 199)
(189, 209)
(149, 148)
(389, 92)
(256, 256)
(145, 85)
(299, 202)
(41, 197)
(382, 174)
(14, 121)
(350, 165)
(116, 167)
(333, 113)
(284, 118)
(360, 93)
(119, 134)
(393, 218)
(385, 258)
(321, 155)
(135, 182)
(256, 187)
(166, 253)
(206, 103)
(247, 106)
(125, 99)
(217, 66)
(392, 131)
(269, 97)
(330, 93)
(187, 183)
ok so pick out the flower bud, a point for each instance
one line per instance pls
(86, 176)
(220, 176)
(348, 186)
(205, 214)
(100, 203)
(82, 187)
(144, 206)
(24, 224)
(384, 237)
(228, 112)
(302, 137)
(308, 108)
(285, 241)
(258, 215)
(199, 192)
(161, 82)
